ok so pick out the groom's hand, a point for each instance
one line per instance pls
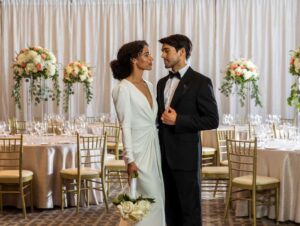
(131, 169)
(169, 116)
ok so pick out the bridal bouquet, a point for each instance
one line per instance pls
(36, 64)
(239, 72)
(294, 98)
(77, 72)
(132, 209)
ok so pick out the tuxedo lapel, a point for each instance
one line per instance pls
(161, 95)
(182, 87)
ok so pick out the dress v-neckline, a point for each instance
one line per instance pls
(139, 91)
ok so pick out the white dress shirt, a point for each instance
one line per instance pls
(171, 86)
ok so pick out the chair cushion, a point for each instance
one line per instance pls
(215, 170)
(260, 180)
(208, 151)
(116, 164)
(12, 176)
(110, 157)
(85, 172)
(224, 163)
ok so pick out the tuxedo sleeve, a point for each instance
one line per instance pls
(206, 116)
(122, 104)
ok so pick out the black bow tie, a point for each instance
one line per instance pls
(176, 75)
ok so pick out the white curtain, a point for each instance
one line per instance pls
(264, 31)
(94, 30)
(90, 31)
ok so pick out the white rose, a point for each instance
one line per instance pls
(31, 55)
(143, 205)
(51, 69)
(52, 57)
(37, 59)
(30, 68)
(250, 65)
(21, 58)
(83, 77)
(84, 69)
(297, 65)
(136, 215)
(121, 210)
(248, 75)
(239, 70)
(127, 206)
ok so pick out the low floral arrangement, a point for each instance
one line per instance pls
(77, 72)
(240, 72)
(294, 98)
(133, 209)
(36, 64)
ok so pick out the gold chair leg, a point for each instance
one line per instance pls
(31, 195)
(87, 193)
(254, 207)
(78, 195)
(228, 198)
(104, 192)
(108, 182)
(120, 179)
(62, 195)
(216, 188)
(277, 205)
(23, 201)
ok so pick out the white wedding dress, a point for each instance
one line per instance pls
(141, 145)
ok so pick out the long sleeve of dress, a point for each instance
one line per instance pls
(122, 102)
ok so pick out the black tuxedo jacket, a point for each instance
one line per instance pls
(196, 109)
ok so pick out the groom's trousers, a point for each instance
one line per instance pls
(182, 194)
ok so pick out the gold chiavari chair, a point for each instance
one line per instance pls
(55, 127)
(13, 179)
(114, 143)
(116, 169)
(90, 171)
(20, 127)
(222, 134)
(242, 159)
(209, 154)
(95, 119)
(289, 121)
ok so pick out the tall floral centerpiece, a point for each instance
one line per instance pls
(74, 72)
(239, 73)
(36, 64)
(294, 98)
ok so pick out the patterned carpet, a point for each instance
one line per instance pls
(96, 215)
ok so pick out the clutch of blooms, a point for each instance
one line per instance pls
(132, 209)
(77, 71)
(294, 98)
(35, 64)
(240, 72)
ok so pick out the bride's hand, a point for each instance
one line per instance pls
(131, 169)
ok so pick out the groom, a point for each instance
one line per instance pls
(186, 105)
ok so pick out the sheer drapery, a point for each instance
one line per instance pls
(93, 31)
(264, 31)
(90, 31)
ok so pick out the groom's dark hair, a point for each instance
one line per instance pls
(179, 41)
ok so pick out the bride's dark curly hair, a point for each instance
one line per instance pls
(122, 66)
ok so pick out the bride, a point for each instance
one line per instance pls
(136, 108)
